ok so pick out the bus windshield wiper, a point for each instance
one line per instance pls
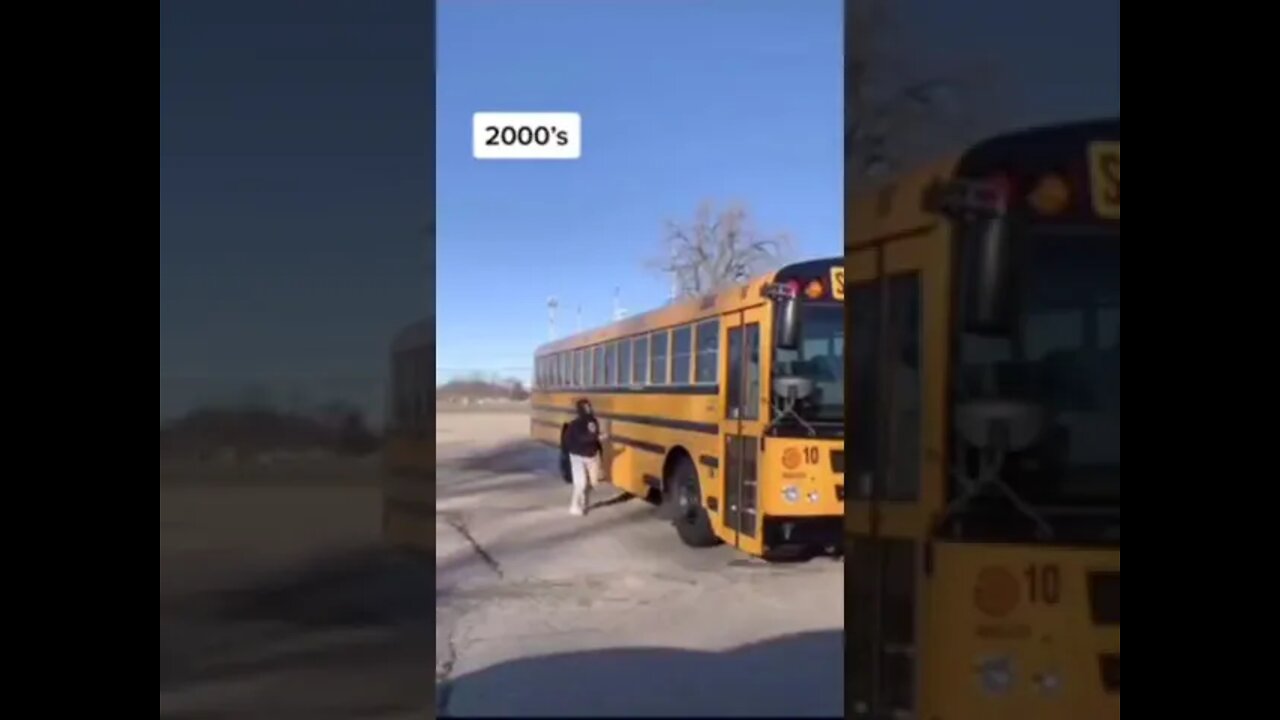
(791, 390)
(995, 427)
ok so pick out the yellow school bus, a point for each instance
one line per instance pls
(408, 506)
(726, 409)
(984, 325)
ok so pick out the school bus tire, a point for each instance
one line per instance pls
(684, 497)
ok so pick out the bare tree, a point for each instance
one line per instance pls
(897, 111)
(716, 250)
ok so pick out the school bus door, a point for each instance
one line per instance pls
(742, 424)
(896, 457)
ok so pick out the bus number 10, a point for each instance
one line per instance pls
(1044, 584)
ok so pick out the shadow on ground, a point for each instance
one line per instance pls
(344, 614)
(791, 676)
(515, 456)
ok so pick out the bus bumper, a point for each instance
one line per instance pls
(819, 531)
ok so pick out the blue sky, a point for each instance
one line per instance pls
(681, 101)
(295, 181)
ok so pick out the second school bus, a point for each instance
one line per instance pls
(984, 371)
(728, 408)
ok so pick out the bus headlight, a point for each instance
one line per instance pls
(996, 675)
(813, 496)
(1048, 683)
(791, 493)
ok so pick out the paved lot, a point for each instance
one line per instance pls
(542, 613)
(277, 601)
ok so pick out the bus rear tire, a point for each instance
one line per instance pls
(692, 522)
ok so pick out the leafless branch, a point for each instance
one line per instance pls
(716, 250)
(897, 111)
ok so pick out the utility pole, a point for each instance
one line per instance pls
(618, 311)
(552, 304)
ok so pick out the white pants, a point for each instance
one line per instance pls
(586, 474)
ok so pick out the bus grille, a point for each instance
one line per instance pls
(1104, 598)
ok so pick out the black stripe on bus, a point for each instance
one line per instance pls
(639, 444)
(649, 390)
(706, 428)
(547, 423)
(711, 462)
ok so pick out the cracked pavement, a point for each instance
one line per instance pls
(539, 613)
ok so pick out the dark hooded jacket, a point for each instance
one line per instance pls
(582, 436)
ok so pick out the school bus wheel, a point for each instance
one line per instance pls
(684, 495)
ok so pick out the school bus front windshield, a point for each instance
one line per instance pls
(1037, 341)
(820, 359)
(1063, 358)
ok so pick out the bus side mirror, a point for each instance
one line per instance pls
(980, 210)
(989, 292)
(788, 330)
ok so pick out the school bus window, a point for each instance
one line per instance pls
(624, 362)
(658, 358)
(707, 346)
(566, 364)
(733, 393)
(863, 306)
(598, 377)
(578, 372)
(904, 327)
(751, 409)
(611, 364)
(640, 367)
(681, 355)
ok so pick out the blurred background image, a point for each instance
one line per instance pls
(982, 241)
(295, 208)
